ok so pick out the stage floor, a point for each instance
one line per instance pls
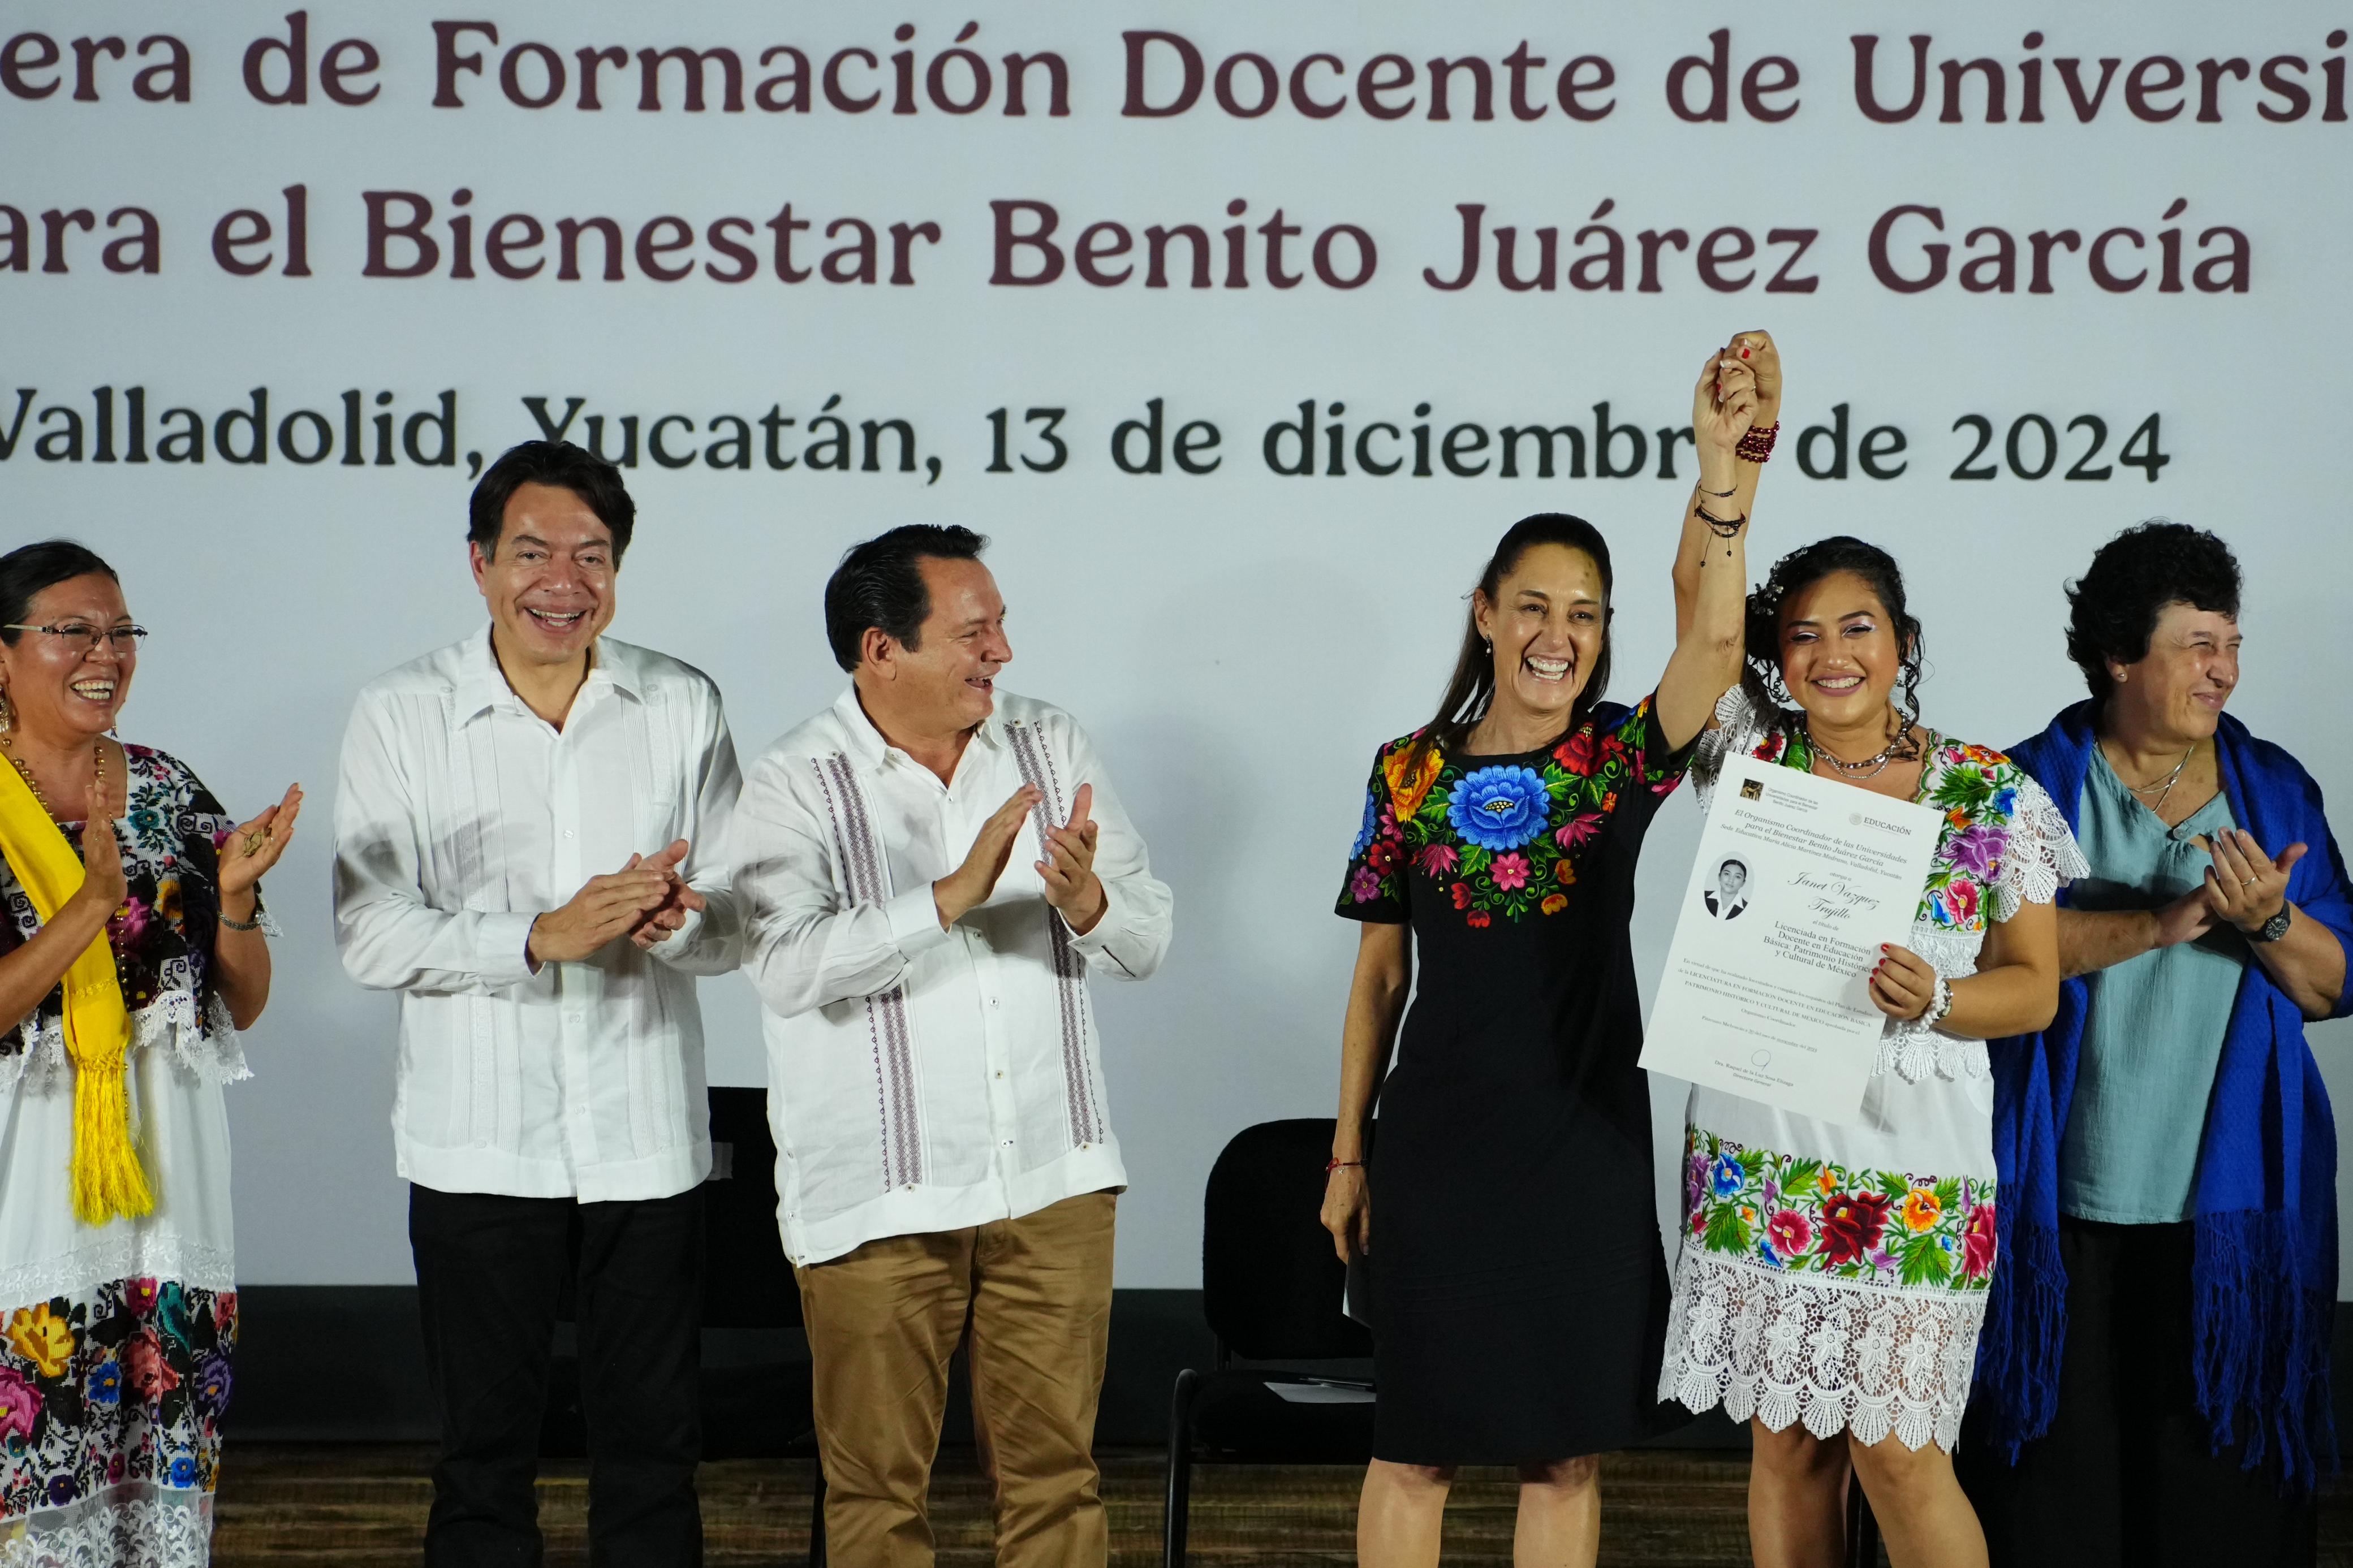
(363, 1507)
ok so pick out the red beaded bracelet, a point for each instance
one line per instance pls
(1757, 446)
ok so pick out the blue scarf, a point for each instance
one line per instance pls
(2264, 1205)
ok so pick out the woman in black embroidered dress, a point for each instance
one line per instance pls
(1518, 1290)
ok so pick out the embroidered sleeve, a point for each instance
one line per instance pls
(1375, 888)
(2041, 854)
(1652, 765)
(1740, 727)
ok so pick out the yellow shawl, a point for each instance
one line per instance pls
(107, 1178)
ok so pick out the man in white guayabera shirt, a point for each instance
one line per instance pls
(930, 870)
(530, 847)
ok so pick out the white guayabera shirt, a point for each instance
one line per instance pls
(462, 814)
(923, 1079)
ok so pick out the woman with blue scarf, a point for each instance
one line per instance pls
(2154, 1373)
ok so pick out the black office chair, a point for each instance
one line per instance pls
(749, 1411)
(1270, 1287)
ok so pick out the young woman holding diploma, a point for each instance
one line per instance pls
(1833, 1277)
(1517, 1287)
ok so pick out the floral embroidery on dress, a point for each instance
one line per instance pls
(1803, 1216)
(121, 1385)
(162, 936)
(1977, 788)
(1501, 839)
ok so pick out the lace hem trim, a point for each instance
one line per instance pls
(138, 1250)
(1835, 1354)
(203, 1042)
(135, 1525)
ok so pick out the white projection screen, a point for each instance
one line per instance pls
(1074, 275)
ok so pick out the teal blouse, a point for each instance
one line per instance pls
(2154, 1025)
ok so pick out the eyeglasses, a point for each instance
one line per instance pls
(84, 639)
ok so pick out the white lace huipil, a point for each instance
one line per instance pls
(116, 1340)
(1834, 1273)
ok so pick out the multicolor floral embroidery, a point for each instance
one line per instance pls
(1977, 789)
(125, 1382)
(1803, 1215)
(1505, 839)
(163, 935)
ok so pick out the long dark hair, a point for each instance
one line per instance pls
(1800, 570)
(1471, 688)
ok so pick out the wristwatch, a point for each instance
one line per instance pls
(2274, 928)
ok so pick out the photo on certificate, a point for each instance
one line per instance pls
(1767, 991)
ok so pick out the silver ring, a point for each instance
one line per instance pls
(2251, 881)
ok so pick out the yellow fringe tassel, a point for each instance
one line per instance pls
(108, 1179)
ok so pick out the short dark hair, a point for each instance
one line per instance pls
(880, 583)
(25, 571)
(1731, 860)
(563, 465)
(2113, 607)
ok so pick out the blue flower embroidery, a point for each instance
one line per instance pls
(106, 1383)
(1500, 809)
(1372, 823)
(1728, 1176)
(183, 1471)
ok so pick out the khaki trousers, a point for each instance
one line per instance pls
(1031, 1300)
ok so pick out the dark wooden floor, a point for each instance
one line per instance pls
(359, 1507)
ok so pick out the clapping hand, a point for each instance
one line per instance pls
(1068, 869)
(680, 901)
(103, 885)
(2245, 885)
(605, 907)
(968, 886)
(253, 847)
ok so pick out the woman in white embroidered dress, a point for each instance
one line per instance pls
(115, 1337)
(1832, 1278)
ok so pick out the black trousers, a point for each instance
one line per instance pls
(2128, 1473)
(490, 1270)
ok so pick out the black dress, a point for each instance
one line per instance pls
(1518, 1290)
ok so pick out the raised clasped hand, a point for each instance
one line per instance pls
(252, 847)
(1723, 403)
(2245, 886)
(1757, 350)
(1068, 869)
(1903, 984)
(680, 901)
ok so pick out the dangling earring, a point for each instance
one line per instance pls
(8, 713)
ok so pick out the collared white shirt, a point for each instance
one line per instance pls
(920, 1079)
(462, 815)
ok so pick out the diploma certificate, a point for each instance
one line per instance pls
(1767, 992)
